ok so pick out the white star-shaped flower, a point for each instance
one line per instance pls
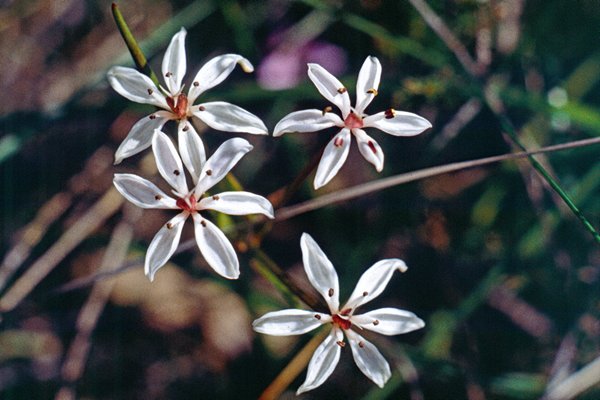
(387, 321)
(175, 104)
(353, 120)
(214, 246)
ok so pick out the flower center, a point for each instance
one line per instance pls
(341, 322)
(187, 204)
(179, 105)
(353, 121)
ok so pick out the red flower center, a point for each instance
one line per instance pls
(353, 121)
(178, 105)
(188, 204)
(341, 322)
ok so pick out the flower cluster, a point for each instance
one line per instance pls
(204, 173)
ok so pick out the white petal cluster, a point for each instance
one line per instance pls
(175, 104)
(352, 121)
(386, 321)
(214, 246)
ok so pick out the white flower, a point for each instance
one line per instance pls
(175, 104)
(214, 246)
(387, 321)
(353, 120)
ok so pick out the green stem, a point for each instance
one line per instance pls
(136, 52)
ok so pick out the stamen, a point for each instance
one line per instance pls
(209, 172)
(203, 223)
(376, 322)
(390, 113)
(342, 90)
(365, 294)
(373, 149)
(327, 109)
(169, 225)
(196, 83)
(361, 344)
(317, 316)
(330, 292)
(201, 108)
(338, 142)
(373, 91)
(215, 197)
(169, 74)
(158, 197)
(150, 91)
(346, 312)
(152, 116)
(186, 128)
(341, 343)
(176, 172)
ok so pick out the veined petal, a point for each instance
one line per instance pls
(369, 148)
(216, 71)
(333, 158)
(168, 162)
(220, 163)
(227, 117)
(368, 83)
(174, 63)
(139, 137)
(191, 148)
(330, 87)
(237, 203)
(307, 121)
(135, 86)
(216, 248)
(373, 281)
(320, 272)
(323, 361)
(289, 322)
(142, 192)
(368, 359)
(397, 123)
(388, 321)
(164, 245)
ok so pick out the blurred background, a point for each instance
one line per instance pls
(503, 273)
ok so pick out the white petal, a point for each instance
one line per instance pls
(289, 322)
(135, 86)
(368, 359)
(168, 162)
(369, 148)
(216, 248)
(139, 137)
(306, 121)
(330, 87)
(216, 71)
(220, 163)
(388, 321)
(399, 123)
(191, 148)
(142, 192)
(368, 83)
(227, 117)
(323, 362)
(174, 63)
(320, 272)
(333, 158)
(164, 245)
(373, 281)
(237, 203)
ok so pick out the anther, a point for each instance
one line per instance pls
(216, 197)
(176, 172)
(372, 91)
(342, 90)
(361, 344)
(365, 294)
(209, 172)
(390, 113)
(376, 322)
(150, 91)
(372, 147)
(158, 197)
(169, 225)
(169, 74)
(338, 142)
(330, 292)
(327, 109)
(201, 108)
(203, 223)
(196, 83)
(152, 116)
(186, 128)
(341, 343)
(317, 316)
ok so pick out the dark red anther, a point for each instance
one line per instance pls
(374, 150)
